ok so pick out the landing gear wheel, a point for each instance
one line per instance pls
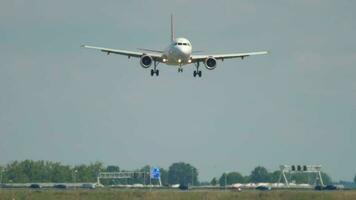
(154, 72)
(197, 73)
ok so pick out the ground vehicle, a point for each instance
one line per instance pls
(263, 188)
(330, 187)
(183, 187)
(35, 186)
(89, 185)
(60, 186)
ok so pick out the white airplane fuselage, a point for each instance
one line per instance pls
(178, 52)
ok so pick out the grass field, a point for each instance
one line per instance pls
(106, 194)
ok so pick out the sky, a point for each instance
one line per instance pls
(296, 105)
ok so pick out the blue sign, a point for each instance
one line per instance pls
(155, 173)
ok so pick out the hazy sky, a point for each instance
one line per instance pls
(296, 105)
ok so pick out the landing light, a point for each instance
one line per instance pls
(179, 60)
(164, 60)
(189, 61)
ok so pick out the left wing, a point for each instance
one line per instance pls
(197, 58)
(156, 56)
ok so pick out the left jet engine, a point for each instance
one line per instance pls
(146, 61)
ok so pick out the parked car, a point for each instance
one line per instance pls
(35, 186)
(60, 186)
(330, 187)
(183, 187)
(263, 188)
(89, 185)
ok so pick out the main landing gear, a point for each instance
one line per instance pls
(197, 72)
(180, 69)
(155, 71)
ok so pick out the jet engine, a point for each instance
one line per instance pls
(210, 63)
(146, 61)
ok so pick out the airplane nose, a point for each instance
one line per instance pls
(183, 51)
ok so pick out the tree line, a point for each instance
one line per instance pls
(29, 171)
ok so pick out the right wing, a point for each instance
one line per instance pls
(156, 56)
(150, 50)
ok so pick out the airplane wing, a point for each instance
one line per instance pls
(150, 50)
(156, 56)
(198, 58)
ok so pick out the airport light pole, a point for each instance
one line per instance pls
(225, 180)
(75, 177)
(2, 171)
(192, 177)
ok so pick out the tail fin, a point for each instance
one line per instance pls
(172, 28)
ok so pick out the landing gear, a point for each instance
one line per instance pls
(197, 72)
(180, 69)
(155, 71)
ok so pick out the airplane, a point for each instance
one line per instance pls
(178, 53)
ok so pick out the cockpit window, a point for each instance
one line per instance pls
(181, 43)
